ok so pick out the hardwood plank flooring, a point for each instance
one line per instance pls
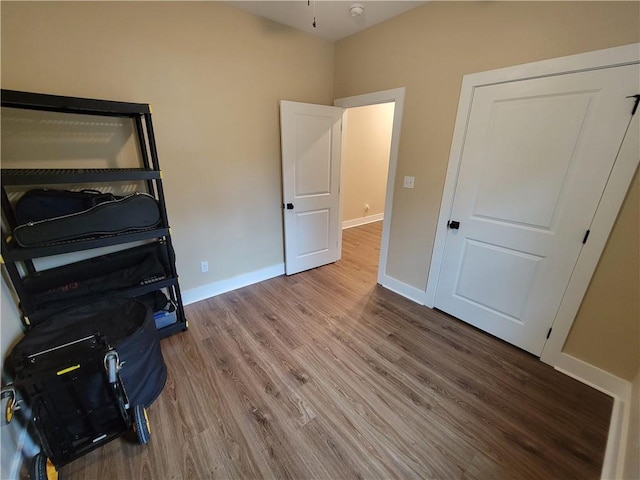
(326, 375)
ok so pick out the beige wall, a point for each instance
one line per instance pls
(365, 161)
(214, 76)
(606, 331)
(428, 50)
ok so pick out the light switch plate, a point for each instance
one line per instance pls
(409, 182)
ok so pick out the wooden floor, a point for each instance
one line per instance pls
(326, 375)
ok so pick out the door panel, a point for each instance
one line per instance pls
(313, 156)
(536, 158)
(530, 143)
(512, 275)
(311, 136)
(313, 232)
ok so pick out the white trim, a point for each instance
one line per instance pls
(603, 221)
(620, 390)
(606, 58)
(613, 463)
(616, 451)
(407, 291)
(356, 222)
(394, 95)
(464, 106)
(222, 286)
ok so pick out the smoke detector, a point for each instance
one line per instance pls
(356, 10)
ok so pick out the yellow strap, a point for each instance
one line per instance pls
(69, 369)
(8, 413)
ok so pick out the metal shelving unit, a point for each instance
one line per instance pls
(19, 261)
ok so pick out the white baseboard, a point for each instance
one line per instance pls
(216, 288)
(593, 376)
(401, 288)
(615, 387)
(356, 222)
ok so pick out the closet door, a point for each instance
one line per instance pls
(536, 158)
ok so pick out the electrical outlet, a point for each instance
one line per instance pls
(204, 267)
(408, 182)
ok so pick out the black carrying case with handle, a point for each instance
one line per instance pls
(138, 211)
(44, 203)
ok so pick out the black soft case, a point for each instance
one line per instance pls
(44, 203)
(138, 211)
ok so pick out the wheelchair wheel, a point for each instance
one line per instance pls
(42, 468)
(141, 424)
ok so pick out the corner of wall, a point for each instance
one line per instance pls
(617, 450)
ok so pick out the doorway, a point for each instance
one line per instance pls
(311, 138)
(366, 144)
(396, 98)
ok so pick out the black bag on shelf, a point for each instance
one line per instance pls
(128, 327)
(44, 203)
(138, 211)
(164, 309)
(87, 280)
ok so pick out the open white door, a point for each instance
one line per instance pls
(536, 158)
(311, 145)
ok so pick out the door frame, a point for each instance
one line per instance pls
(395, 95)
(611, 201)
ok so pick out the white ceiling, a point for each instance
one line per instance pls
(333, 20)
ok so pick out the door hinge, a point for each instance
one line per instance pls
(549, 333)
(635, 105)
(586, 235)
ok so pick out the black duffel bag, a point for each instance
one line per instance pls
(87, 280)
(128, 327)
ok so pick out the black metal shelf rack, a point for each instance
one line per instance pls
(31, 176)
(14, 256)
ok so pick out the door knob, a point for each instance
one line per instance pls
(453, 225)
(289, 206)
